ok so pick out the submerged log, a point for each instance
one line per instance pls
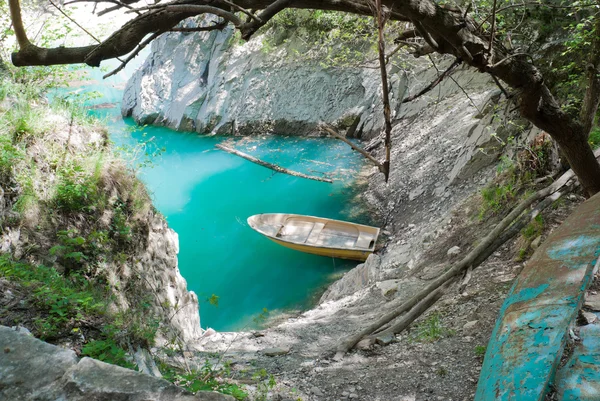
(273, 167)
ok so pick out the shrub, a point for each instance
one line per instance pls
(77, 190)
(594, 138)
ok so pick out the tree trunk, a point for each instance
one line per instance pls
(591, 99)
(576, 149)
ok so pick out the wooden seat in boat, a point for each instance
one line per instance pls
(315, 232)
(364, 240)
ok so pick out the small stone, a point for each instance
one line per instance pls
(345, 394)
(316, 391)
(275, 351)
(411, 226)
(22, 330)
(385, 340)
(535, 244)
(209, 332)
(364, 344)
(589, 317)
(353, 395)
(592, 301)
(454, 251)
(470, 325)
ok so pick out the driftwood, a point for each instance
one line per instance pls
(274, 167)
(502, 232)
(333, 133)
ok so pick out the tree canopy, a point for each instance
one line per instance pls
(509, 40)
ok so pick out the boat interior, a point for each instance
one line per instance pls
(329, 234)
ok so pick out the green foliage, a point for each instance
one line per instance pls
(214, 300)
(534, 228)
(496, 197)
(266, 382)
(77, 190)
(107, 351)
(65, 302)
(9, 156)
(208, 378)
(480, 350)
(594, 138)
(77, 252)
(431, 329)
(334, 38)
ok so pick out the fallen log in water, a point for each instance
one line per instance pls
(274, 167)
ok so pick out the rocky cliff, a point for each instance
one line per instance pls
(68, 202)
(210, 83)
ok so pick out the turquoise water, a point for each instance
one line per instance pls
(207, 194)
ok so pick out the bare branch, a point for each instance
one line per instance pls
(17, 21)
(499, 85)
(387, 114)
(493, 28)
(216, 27)
(134, 53)
(75, 22)
(435, 82)
(409, 34)
(243, 10)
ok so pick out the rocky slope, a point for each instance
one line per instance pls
(66, 201)
(446, 147)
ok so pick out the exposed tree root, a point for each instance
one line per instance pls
(274, 167)
(502, 232)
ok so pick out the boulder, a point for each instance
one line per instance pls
(31, 369)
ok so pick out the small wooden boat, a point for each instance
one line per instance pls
(316, 235)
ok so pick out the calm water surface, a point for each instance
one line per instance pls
(207, 195)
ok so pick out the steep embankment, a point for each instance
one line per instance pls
(86, 257)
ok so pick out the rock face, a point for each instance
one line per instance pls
(205, 82)
(31, 369)
(151, 269)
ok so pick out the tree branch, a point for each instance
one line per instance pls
(195, 10)
(591, 99)
(363, 152)
(251, 27)
(134, 53)
(435, 82)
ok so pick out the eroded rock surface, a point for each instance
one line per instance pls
(208, 83)
(31, 369)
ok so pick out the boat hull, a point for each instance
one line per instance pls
(334, 253)
(317, 235)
